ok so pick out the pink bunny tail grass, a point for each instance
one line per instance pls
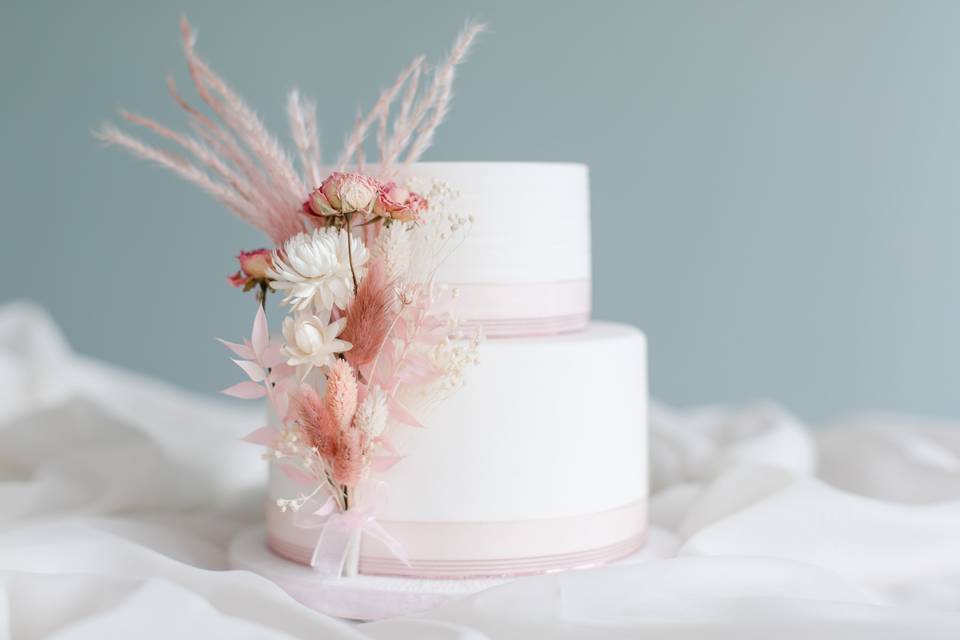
(341, 396)
(316, 424)
(369, 316)
(348, 461)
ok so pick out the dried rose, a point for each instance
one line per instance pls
(253, 268)
(343, 193)
(398, 203)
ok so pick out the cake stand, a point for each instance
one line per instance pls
(377, 597)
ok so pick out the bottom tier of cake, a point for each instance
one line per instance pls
(539, 463)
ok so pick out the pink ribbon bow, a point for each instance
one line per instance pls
(337, 529)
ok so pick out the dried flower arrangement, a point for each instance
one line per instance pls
(370, 338)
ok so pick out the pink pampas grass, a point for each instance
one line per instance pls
(369, 316)
(303, 125)
(417, 118)
(238, 162)
(248, 169)
(440, 93)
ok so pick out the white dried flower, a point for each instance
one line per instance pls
(314, 268)
(310, 342)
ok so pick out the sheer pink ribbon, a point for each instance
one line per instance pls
(337, 529)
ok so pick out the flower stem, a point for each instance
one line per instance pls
(262, 295)
(350, 255)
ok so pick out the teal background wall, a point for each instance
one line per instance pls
(776, 198)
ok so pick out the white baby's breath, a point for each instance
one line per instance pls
(439, 233)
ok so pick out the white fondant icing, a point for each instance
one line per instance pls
(544, 428)
(531, 220)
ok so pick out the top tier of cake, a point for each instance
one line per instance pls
(524, 269)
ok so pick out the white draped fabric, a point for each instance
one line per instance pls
(119, 496)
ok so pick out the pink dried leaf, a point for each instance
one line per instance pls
(389, 356)
(431, 338)
(281, 405)
(365, 371)
(245, 391)
(387, 445)
(273, 355)
(401, 330)
(432, 323)
(401, 414)
(417, 377)
(282, 373)
(388, 383)
(298, 475)
(242, 350)
(252, 369)
(260, 336)
(418, 362)
(264, 436)
(416, 369)
(381, 464)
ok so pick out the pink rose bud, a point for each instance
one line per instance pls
(398, 203)
(256, 263)
(253, 268)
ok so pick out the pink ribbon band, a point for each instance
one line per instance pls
(524, 309)
(484, 549)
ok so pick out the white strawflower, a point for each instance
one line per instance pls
(310, 342)
(314, 268)
(371, 417)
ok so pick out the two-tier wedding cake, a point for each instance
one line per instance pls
(444, 412)
(539, 462)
